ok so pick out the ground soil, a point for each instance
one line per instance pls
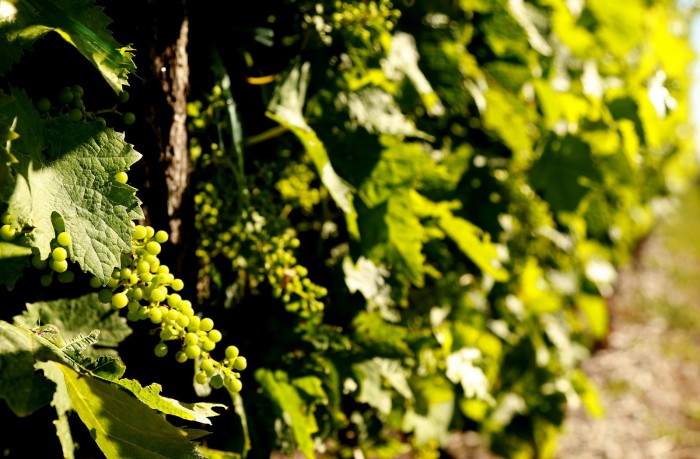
(648, 374)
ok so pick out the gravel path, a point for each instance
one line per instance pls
(648, 374)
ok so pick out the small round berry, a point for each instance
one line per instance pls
(161, 350)
(64, 239)
(129, 118)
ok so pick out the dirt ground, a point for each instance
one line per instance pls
(648, 375)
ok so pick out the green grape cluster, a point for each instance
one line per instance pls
(69, 101)
(148, 291)
(296, 186)
(361, 17)
(364, 25)
(57, 263)
(288, 279)
(259, 256)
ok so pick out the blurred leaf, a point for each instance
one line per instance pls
(297, 415)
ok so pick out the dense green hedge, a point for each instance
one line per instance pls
(406, 216)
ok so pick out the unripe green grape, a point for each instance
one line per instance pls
(7, 233)
(150, 232)
(43, 104)
(231, 352)
(180, 357)
(139, 232)
(129, 118)
(153, 248)
(158, 294)
(121, 177)
(77, 90)
(46, 280)
(201, 377)
(38, 263)
(206, 324)
(144, 312)
(163, 269)
(133, 316)
(161, 349)
(137, 293)
(193, 326)
(105, 295)
(234, 385)
(65, 96)
(146, 277)
(240, 363)
(208, 345)
(177, 284)
(207, 365)
(143, 267)
(112, 282)
(123, 96)
(75, 115)
(120, 300)
(64, 239)
(191, 339)
(133, 306)
(59, 266)
(172, 315)
(215, 335)
(66, 277)
(95, 282)
(192, 352)
(156, 315)
(59, 254)
(183, 320)
(216, 381)
(186, 308)
(161, 237)
(174, 299)
(6, 218)
(166, 334)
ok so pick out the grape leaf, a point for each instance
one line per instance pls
(61, 402)
(293, 411)
(74, 353)
(80, 23)
(150, 395)
(78, 316)
(74, 177)
(393, 234)
(286, 109)
(21, 387)
(13, 259)
(121, 425)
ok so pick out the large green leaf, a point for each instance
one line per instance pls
(79, 22)
(21, 387)
(297, 415)
(564, 173)
(286, 108)
(150, 395)
(73, 178)
(121, 425)
(13, 259)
